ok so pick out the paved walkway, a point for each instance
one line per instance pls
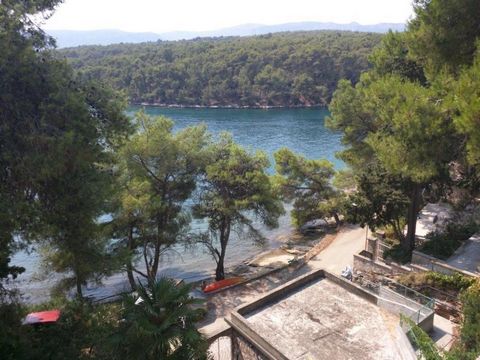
(467, 257)
(433, 217)
(350, 240)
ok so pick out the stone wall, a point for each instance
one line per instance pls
(433, 264)
(364, 264)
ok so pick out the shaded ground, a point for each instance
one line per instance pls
(442, 333)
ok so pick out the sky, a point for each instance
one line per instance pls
(202, 15)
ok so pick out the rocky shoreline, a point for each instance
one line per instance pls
(232, 106)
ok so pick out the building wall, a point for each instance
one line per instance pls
(243, 350)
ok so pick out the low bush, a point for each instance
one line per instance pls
(470, 332)
(456, 282)
(442, 245)
(398, 254)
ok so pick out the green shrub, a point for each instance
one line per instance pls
(470, 332)
(456, 281)
(398, 254)
(442, 245)
(461, 231)
(420, 339)
(13, 342)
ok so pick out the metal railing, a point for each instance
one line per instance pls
(424, 346)
(427, 304)
(412, 294)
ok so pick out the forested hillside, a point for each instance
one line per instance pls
(285, 69)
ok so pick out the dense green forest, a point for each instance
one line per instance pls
(284, 69)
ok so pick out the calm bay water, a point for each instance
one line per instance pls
(301, 130)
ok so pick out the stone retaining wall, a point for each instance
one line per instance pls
(364, 264)
(433, 264)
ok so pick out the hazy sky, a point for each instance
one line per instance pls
(198, 15)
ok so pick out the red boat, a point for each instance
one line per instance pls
(217, 285)
(42, 317)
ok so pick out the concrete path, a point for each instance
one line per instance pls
(467, 257)
(433, 217)
(442, 333)
(350, 240)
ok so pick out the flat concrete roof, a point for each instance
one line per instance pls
(323, 320)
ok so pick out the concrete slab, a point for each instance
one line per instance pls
(272, 258)
(442, 333)
(467, 257)
(425, 223)
(325, 321)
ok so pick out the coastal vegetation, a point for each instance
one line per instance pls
(408, 130)
(234, 190)
(308, 183)
(283, 69)
(58, 134)
(162, 326)
(407, 116)
(157, 173)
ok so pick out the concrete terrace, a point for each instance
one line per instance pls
(325, 321)
(322, 316)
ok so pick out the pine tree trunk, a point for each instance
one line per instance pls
(398, 231)
(413, 209)
(78, 282)
(79, 288)
(131, 247)
(220, 271)
(156, 256)
(224, 236)
(130, 277)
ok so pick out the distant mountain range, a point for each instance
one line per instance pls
(71, 38)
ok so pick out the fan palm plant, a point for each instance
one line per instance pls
(162, 324)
